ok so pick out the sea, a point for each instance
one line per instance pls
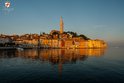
(62, 65)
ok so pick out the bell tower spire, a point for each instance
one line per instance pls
(61, 25)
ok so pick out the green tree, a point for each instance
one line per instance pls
(84, 37)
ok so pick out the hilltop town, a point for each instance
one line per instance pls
(55, 39)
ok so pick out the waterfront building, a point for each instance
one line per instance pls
(5, 40)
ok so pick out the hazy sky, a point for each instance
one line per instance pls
(103, 19)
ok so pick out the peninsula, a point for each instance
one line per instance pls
(55, 39)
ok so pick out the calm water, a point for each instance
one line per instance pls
(56, 65)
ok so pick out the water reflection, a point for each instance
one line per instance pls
(54, 56)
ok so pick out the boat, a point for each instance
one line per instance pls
(19, 49)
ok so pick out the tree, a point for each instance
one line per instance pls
(54, 33)
(43, 33)
(74, 34)
(84, 37)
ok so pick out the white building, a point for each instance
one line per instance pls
(5, 40)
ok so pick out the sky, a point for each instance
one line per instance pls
(97, 19)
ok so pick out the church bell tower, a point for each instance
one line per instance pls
(61, 25)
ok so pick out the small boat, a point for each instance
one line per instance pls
(20, 49)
